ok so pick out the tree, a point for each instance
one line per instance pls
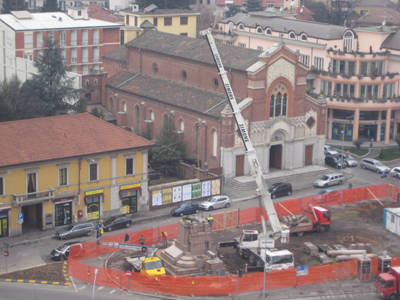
(50, 88)
(50, 5)
(169, 147)
(232, 10)
(97, 113)
(319, 11)
(358, 143)
(254, 5)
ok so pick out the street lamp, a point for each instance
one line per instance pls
(96, 271)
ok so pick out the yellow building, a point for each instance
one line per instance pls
(56, 171)
(175, 21)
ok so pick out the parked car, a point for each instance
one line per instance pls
(395, 172)
(186, 208)
(215, 202)
(334, 162)
(328, 150)
(117, 222)
(374, 165)
(76, 230)
(280, 189)
(329, 179)
(349, 161)
(62, 252)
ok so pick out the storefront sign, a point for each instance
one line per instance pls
(130, 186)
(63, 199)
(95, 192)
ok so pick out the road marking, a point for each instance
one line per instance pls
(112, 291)
(73, 284)
(82, 287)
(100, 288)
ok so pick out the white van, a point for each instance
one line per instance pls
(329, 179)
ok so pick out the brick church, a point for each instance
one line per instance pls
(160, 75)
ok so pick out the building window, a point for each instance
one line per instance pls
(241, 27)
(96, 36)
(326, 87)
(369, 91)
(216, 83)
(214, 143)
(136, 21)
(87, 83)
(348, 41)
(242, 45)
(155, 68)
(152, 115)
(93, 171)
(127, 19)
(85, 55)
(129, 166)
(2, 186)
(388, 90)
(278, 101)
(167, 21)
(304, 37)
(85, 37)
(183, 34)
(344, 90)
(318, 63)
(184, 75)
(137, 117)
(124, 107)
(50, 35)
(31, 183)
(62, 38)
(155, 21)
(181, 126)
(292, 35)
(74, 56)
(63, 176)
(259, 29)
(64, 55)
(268, 31)
(184, 20)
(96, 54)
(28, 41)
(73, 38)
(39, 40)
(305, 59)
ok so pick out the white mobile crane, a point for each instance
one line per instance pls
(252, 245)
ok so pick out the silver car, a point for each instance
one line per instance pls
(395, 172)
(76, 230)
(215, 202)
(349, 160)
(374, 165)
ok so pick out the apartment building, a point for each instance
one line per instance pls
(67, 169)
(356, 69)
(83, 40)
(175, 21)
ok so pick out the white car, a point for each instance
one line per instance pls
(215, 202)
(329, 151)
(395, 172)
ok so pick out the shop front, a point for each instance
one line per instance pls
(93, 200)
(3, 223)
(129, 198)
(63, 212)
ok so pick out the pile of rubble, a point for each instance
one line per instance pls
(326, 253)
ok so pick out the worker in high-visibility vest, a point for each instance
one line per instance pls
(210, 219)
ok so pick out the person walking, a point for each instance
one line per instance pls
(126, 237)
(164, 237)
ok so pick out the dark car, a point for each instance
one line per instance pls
(76, 230)
(116, 223)
(186, 208)
(334, 162)
(62, 252)
(280, 189)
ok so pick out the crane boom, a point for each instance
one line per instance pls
(250, 151)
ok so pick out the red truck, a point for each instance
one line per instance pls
(388, 284)
(317, 218)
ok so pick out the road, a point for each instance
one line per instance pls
(25, 256)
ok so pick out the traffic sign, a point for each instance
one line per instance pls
(5, 253)
(20, 219)
(302, 270)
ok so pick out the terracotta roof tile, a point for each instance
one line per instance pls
(48, 138)
(98, 12)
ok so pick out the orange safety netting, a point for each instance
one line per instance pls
(224, 285)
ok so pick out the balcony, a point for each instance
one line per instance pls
(32, 198)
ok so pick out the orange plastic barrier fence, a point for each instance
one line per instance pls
(224, 285)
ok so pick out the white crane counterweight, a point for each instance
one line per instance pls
(250, 151)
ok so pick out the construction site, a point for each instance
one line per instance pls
(198, 253)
